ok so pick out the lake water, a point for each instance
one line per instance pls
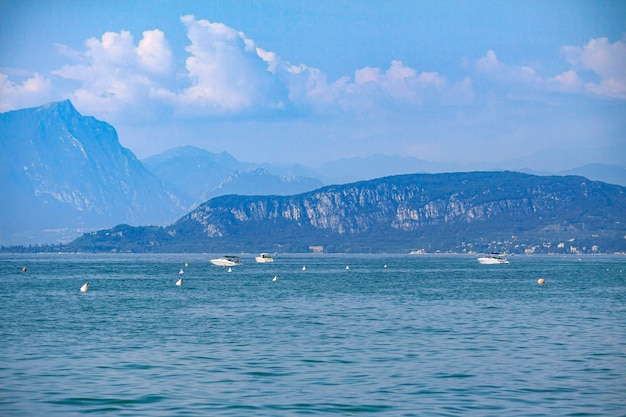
(424, 336)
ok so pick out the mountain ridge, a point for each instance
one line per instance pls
(63, 172)
(459, 212)
(201, 175)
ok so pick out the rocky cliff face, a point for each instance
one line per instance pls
(417, 209)
(414, 201)
(62, 173)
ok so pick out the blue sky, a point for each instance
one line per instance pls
(314, 81)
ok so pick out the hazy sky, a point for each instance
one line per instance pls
(313, 81)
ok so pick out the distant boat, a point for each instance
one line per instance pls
(179, 282)
(263, 258)
(227, 260)
(492, 259)
(85, 287)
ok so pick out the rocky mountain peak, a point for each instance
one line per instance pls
(61, 108)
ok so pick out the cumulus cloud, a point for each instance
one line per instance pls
(115, 73)
(31, 92)
(369, 88)
(153, 52)
(599, 67)
(567, 82)
(498, 71)
(226, 71)
(604, 59)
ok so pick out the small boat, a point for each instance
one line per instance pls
(263, 258)
(227, 260)
(492, 259)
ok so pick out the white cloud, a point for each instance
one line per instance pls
(606, 60)
(489, 63)
(30, 93)
(270, 58)
(369, 88)
(367, 75)
(519, 81)
(114, 50)
(226, 73)
(598, 67)
(115, 74)
(154, 52)
(567, 82)
(226, 70)
(500, 72)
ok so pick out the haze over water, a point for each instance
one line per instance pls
(392, 335)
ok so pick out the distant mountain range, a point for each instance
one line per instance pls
(62, 174)
(376, 166)
(200, 175)
(461, 212)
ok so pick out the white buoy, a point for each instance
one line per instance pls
(385, 266)
(230, 269)
(275, 278)
(347, 267)
(181, 271)
(85, 287)
(304, 268)
(179, 282)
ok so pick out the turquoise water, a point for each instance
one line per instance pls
(423, 336)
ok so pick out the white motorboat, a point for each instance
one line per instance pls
(263, 258)
(492, 260)
(228, 260)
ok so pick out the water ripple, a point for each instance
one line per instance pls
(425, 336)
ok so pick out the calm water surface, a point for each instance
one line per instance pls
(423, 336)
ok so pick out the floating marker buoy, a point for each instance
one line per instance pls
(186, 264)
(304, 268)
(24, 269)
(385, 266)
(85, 287)
(347, 267)
(230, 269)
(179, 282)
(181, 271)
(541, 281)
(275, 278)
